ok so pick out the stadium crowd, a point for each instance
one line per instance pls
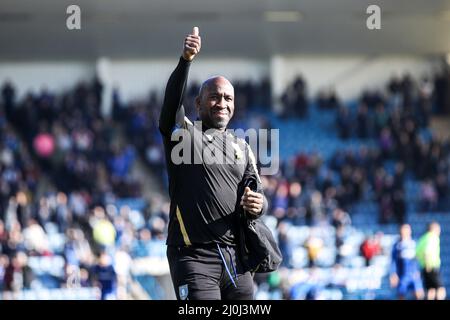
(87, 158)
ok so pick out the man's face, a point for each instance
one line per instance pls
(436, 229)
(215, 104)
(405, 231)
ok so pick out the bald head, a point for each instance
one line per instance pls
(215, 102)
(213, 82)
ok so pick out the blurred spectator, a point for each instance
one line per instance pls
(63, 214)
(314, 246)
(103, 231)
(88, 164)
(35, 239)
(3, 233)
(122, 266)
(425, 102)
(77, 249)
(344, 123)
(105, 277)
(315, 210)
(328, 99)
(370, 248)
(121, 162)
(340, 219)
(147, 246)
(142, 246)
(381, 118)
(428, 255)
(8, 96)
(399, 206)
(281, 199)
(442, 188)
(4, 262)
(15, 240)
(428, 196)
(442, 85)
(44, 145)
(339, 244)
(362, 122)
(284, 244)
(294, 99)
(18, 274)
(404, 271)
(85, 281)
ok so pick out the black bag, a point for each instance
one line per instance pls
(257, 246)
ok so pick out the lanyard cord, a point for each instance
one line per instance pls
(231, 261)
(226, 266)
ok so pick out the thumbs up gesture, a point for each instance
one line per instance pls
(252, 202)
(192, 44)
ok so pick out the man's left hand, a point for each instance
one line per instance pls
(252, 201)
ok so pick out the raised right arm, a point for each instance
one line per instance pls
(173, 96)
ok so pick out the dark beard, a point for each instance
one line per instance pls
(212, 123)
(219, 124)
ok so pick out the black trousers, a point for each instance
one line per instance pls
(200, 273)
(431, 279)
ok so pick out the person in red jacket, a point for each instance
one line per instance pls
(370, 248)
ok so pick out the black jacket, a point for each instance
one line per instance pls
(204, 197)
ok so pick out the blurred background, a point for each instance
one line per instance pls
(364, 120)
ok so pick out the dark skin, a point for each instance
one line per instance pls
(215, 107)
(215, 103)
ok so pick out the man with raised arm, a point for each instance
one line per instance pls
(208, 179)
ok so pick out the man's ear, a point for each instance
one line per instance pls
(197, 103)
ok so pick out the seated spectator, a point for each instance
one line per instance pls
(77, 249)
(442, 189)
(18, 275)
(386, 143)
(428, 196)
(105, 277)
(141, 246)
(362, 122)
(344, 122)
(315, 210)
(4, 262)
(370, 248)
(35, 239)
(15, 241)
(146, 246)
(399, 206)
(284, 244)
(122, 266)
(294, 99)
(103, 231)
(314, 246)
(340, 219)
(90, 170)
(281, 198)
(328, 99)
(3, 234)
(381, 118)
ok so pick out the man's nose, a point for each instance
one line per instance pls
(222, 103)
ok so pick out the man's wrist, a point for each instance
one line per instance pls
(186, 59)
(253, 215)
